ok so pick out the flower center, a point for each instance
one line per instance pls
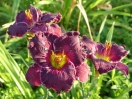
(105, 53)
(58, 60)
(28, 14)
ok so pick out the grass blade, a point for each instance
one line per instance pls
(119, 24)
(110, 33)
(122, 6)
(100, 30)
(109, 13)
(86, 19)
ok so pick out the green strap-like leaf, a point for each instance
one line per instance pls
(86, 18)
(15, 72)
(100, 30)
(110, 33)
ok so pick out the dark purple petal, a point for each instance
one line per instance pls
(36, 13)
(88, 46)
(70, 44)
(51, 29)
(49, 17)
(21, 17)
(102, 66)
(18, 29)
(122, 67)
(55, 29)
(58, 79)
(82, 72)
(51, 38)
(33, 75)
(39, 27)
(39, 47)
(117, 53)
(100, 48)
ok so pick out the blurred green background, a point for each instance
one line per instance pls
(93, 18)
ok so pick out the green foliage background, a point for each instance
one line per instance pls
(93, 18)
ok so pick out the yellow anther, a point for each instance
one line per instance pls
(108, 45)
(28, 14)
(30, 35)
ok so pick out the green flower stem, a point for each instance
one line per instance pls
(92, 90)
(93, 81)
(81, 84)
(93, 72)
(96, 84)
(28, 53)
(99, 84)
(113, 74)
(6, 37)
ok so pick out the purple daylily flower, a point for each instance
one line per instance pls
(108, 56)
(28, 17)
(31, 18)
(58, 60)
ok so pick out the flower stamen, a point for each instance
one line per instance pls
(108, 45)
(28, 14)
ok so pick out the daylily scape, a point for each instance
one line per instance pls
(60, 58)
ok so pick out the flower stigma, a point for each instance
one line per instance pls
(58, 60)
(28, 14)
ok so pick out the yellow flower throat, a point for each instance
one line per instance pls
(58, 60)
